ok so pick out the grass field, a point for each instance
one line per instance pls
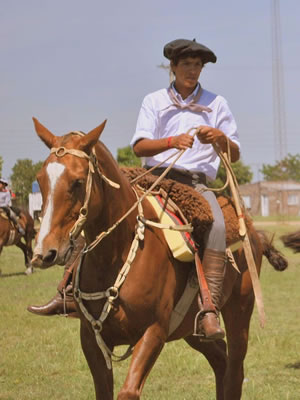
(41, 358)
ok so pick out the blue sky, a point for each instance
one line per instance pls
(72, 64)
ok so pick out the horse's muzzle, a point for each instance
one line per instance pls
(37, 261)
(51, 258)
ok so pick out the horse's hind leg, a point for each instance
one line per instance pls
(215, 353)
(143, 358)
(102, 376)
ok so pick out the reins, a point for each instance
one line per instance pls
(237, 199)
(140, 218)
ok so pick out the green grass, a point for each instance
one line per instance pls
(277, 218)
(41, 358)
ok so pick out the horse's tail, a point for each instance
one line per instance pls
(275, 258)
(292, 240)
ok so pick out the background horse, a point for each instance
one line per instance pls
(133, 307)
(292, 240)
(9, 236)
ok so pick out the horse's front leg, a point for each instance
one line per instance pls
(102, 376)
(143, 358)
(23, 247)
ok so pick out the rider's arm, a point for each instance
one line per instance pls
(224, 132)
(146, 141)
(150, 147)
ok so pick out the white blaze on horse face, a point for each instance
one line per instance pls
(54, 171)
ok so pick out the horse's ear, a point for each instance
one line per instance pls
(47, 137)
(90, 139)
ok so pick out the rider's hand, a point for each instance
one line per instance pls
(207, 134)
(182, 141)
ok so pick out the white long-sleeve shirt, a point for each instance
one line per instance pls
(157, 121)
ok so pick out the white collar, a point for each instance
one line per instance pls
(178, 95)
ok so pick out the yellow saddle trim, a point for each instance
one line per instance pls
(3, 214)
(178, 246)
(176, 243)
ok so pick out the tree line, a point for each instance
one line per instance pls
(24, 172)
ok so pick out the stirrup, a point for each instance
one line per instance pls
(208, 336)
(199, 315)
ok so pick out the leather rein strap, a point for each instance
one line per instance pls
(233, 184)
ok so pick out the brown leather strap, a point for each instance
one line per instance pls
(69, 267)
(66, 278)
(206, 300)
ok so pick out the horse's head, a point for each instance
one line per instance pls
(64, 181)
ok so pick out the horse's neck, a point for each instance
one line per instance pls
(107, 258)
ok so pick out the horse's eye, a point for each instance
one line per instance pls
(77, 184)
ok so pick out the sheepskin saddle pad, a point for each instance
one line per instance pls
(192, 205)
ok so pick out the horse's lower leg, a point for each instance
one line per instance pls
(23, 247)
(237, 320)
(215, 353)
(102, 376)
(143, 358)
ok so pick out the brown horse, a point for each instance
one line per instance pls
(134, 307)
(292, 240)
(9, 235)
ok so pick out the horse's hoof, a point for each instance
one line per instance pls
(29, 271)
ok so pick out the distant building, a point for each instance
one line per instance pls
(35, 201)
(272, 198)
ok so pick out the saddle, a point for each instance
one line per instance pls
(5, 214)
(190, 206)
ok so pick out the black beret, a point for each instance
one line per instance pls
(183, 47)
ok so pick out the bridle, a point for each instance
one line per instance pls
(93, 167)
(111, 293)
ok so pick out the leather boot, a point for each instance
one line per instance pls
(60, 304)
(15, 221)
(214, 269)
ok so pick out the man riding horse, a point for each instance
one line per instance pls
(5, 204)
(164, 115)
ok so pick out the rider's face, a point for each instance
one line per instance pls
(187, 72)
